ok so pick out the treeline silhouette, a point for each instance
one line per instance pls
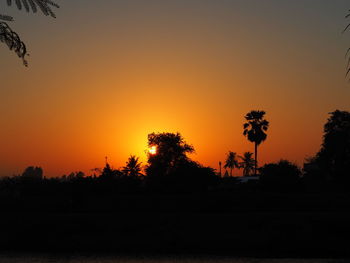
(176, 205)
(173, 182)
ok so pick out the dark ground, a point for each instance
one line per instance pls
(291, 226)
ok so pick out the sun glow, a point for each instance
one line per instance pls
(153, 150)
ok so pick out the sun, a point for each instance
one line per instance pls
(153, 150)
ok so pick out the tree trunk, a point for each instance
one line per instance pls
(256, 159)
(231, 171)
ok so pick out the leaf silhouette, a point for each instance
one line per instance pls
(33, 5)
(13, 41)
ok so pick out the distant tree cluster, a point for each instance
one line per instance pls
(245, 162)
(170, 171)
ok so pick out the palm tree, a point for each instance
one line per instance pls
(255, 129)
(11, 38)
(231, 161)
(132, 167)
(247, 163)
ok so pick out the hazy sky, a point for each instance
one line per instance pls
(104, 74)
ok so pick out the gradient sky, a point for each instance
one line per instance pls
(104, 74)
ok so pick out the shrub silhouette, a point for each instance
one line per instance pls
(280, 176)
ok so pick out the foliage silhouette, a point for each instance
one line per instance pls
(348, 51)
(109, 174)
(334, 155)
(231, 162)
(171, 170)
(172, 151)
(132, 167)
(11, 38)
(76, 176)
(33, 173)
(255, 130)
(247, 163)
(281, 176)
(33, 5)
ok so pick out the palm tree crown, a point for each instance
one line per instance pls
(132, 167)
(231, 161)
(247, 163)
(256, 126)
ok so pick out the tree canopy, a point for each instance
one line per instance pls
(171, 151)
(334, 155)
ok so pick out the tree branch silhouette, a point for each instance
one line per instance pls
(347, 56)
(12, 40)
(10, 37)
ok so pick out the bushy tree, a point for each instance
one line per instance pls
(109, 174)
(334, 155)
(171, 153)
(191, 176)
(280, 176)
(170, 169)
(33, 173)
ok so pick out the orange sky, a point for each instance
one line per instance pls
(102, 77)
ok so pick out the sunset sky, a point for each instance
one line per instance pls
(104, 74)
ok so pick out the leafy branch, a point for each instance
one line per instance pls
(11, 38)
(347, 55)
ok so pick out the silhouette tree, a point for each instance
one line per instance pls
(231, 161)
(11, 38)
(171, 152)
(33, 173)
(280, 176)
(76, 176)
(247, 163)
(334, 155)
(132, 167)
(255, 129)
(109, 174)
